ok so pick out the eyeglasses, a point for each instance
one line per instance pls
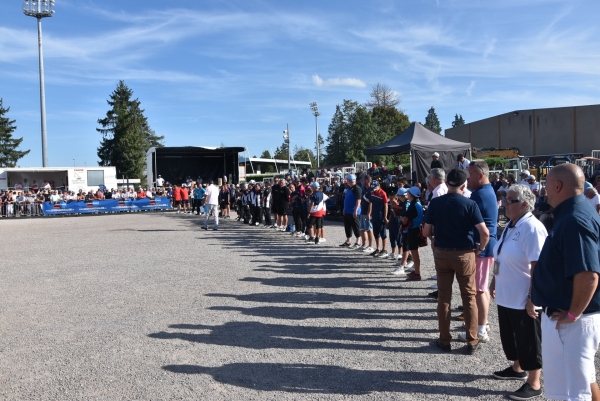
(513, 200)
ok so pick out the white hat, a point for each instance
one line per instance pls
(436, 154)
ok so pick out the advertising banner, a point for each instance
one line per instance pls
(105, 206)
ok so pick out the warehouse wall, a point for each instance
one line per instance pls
(536, 132)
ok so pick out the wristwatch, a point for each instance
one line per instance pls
(529, 297)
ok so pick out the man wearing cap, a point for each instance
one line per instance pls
(317, 211)
(454, 255)
(212, 201)
(435, 161)
(366, 227)
(462, 162)
(533, 185)
(351, 211)
(524, 177)
(378, 210)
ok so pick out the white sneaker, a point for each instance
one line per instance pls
(410, 264)
(359, 249)
(409, 269)
(393, 256)
(321, 240)
(306, 236)
(433, 286)
(355, 247)
(483, 338)
(368, 250)
(398, 271)
(434, 277)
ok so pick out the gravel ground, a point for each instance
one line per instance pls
(148, 306)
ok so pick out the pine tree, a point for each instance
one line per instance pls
(432, 122)
(458, 121)
(9, 155)
(126, 135)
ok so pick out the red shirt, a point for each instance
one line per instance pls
(185, 194)
(177, 194)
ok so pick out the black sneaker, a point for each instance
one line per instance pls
(374, 253)
(316, 240)
(525, 393)
(471, 349)
(443, 347)
(510, 374)
(433, 294)
(345, 244)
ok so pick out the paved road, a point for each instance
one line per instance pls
(148, 306)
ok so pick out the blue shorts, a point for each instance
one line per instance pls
(364, 224)
(395, 236)
(379, 230)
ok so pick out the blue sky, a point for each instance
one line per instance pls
(235, 72)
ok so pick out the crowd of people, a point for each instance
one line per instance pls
(542, 270)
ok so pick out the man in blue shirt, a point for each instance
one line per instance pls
(565, 285)
(351, 211)
(454, 253)
(366, 227)
(483, 194)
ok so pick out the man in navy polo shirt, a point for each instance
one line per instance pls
(366, 227)
(378, 210)
(565, 285)
(454, 253)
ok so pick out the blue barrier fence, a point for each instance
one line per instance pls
(105, 206)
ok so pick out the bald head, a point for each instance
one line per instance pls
(563, 182)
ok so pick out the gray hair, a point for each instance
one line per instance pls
(483, 166)
(592, 189)
(438, 173)
(524, 194)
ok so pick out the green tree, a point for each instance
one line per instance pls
(363, 134)
(126, 135)
(9, 154)
(303, 154)
(339, 136)
(265, 155)
(458, 121)
(432, 122)
(321, 152)
(281, 152)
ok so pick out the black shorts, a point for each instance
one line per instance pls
(185, 202)
(224, 205)
(412, 239)
(281, 208)
(314, 221)
(176, 202)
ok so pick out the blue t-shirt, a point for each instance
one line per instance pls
(453, 218)
(352, 194)
(572, 247)
(378, 199)
(316, 198)
(488, 206)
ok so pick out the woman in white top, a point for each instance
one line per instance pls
(515, 255)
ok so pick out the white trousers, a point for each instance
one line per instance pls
(568, 357)
(215, 212)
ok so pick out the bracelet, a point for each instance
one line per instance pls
(574, 318)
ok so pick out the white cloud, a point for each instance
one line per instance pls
(489, 48)
(317, 80)
(470, 88)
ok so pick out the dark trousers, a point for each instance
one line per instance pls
(257, 214)
(521, 337)
(447, 265)
(298, 221)
(197, 205)
(267, 213)
(351, 225)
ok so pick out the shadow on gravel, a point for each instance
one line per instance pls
(302, 313)
(256, 335)
(313, 298)
(298, 378)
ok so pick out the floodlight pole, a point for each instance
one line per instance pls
(40, 9)
(287, 138)
(315, 110)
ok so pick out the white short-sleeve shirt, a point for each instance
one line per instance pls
(521, 245)
(595, 201)
(440, 190)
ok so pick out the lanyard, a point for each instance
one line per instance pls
(508, 227)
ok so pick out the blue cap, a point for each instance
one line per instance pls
(375, 183)
(351, 177)
(415, 191)
(315, 185)
(586, 186)
(401, 191)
